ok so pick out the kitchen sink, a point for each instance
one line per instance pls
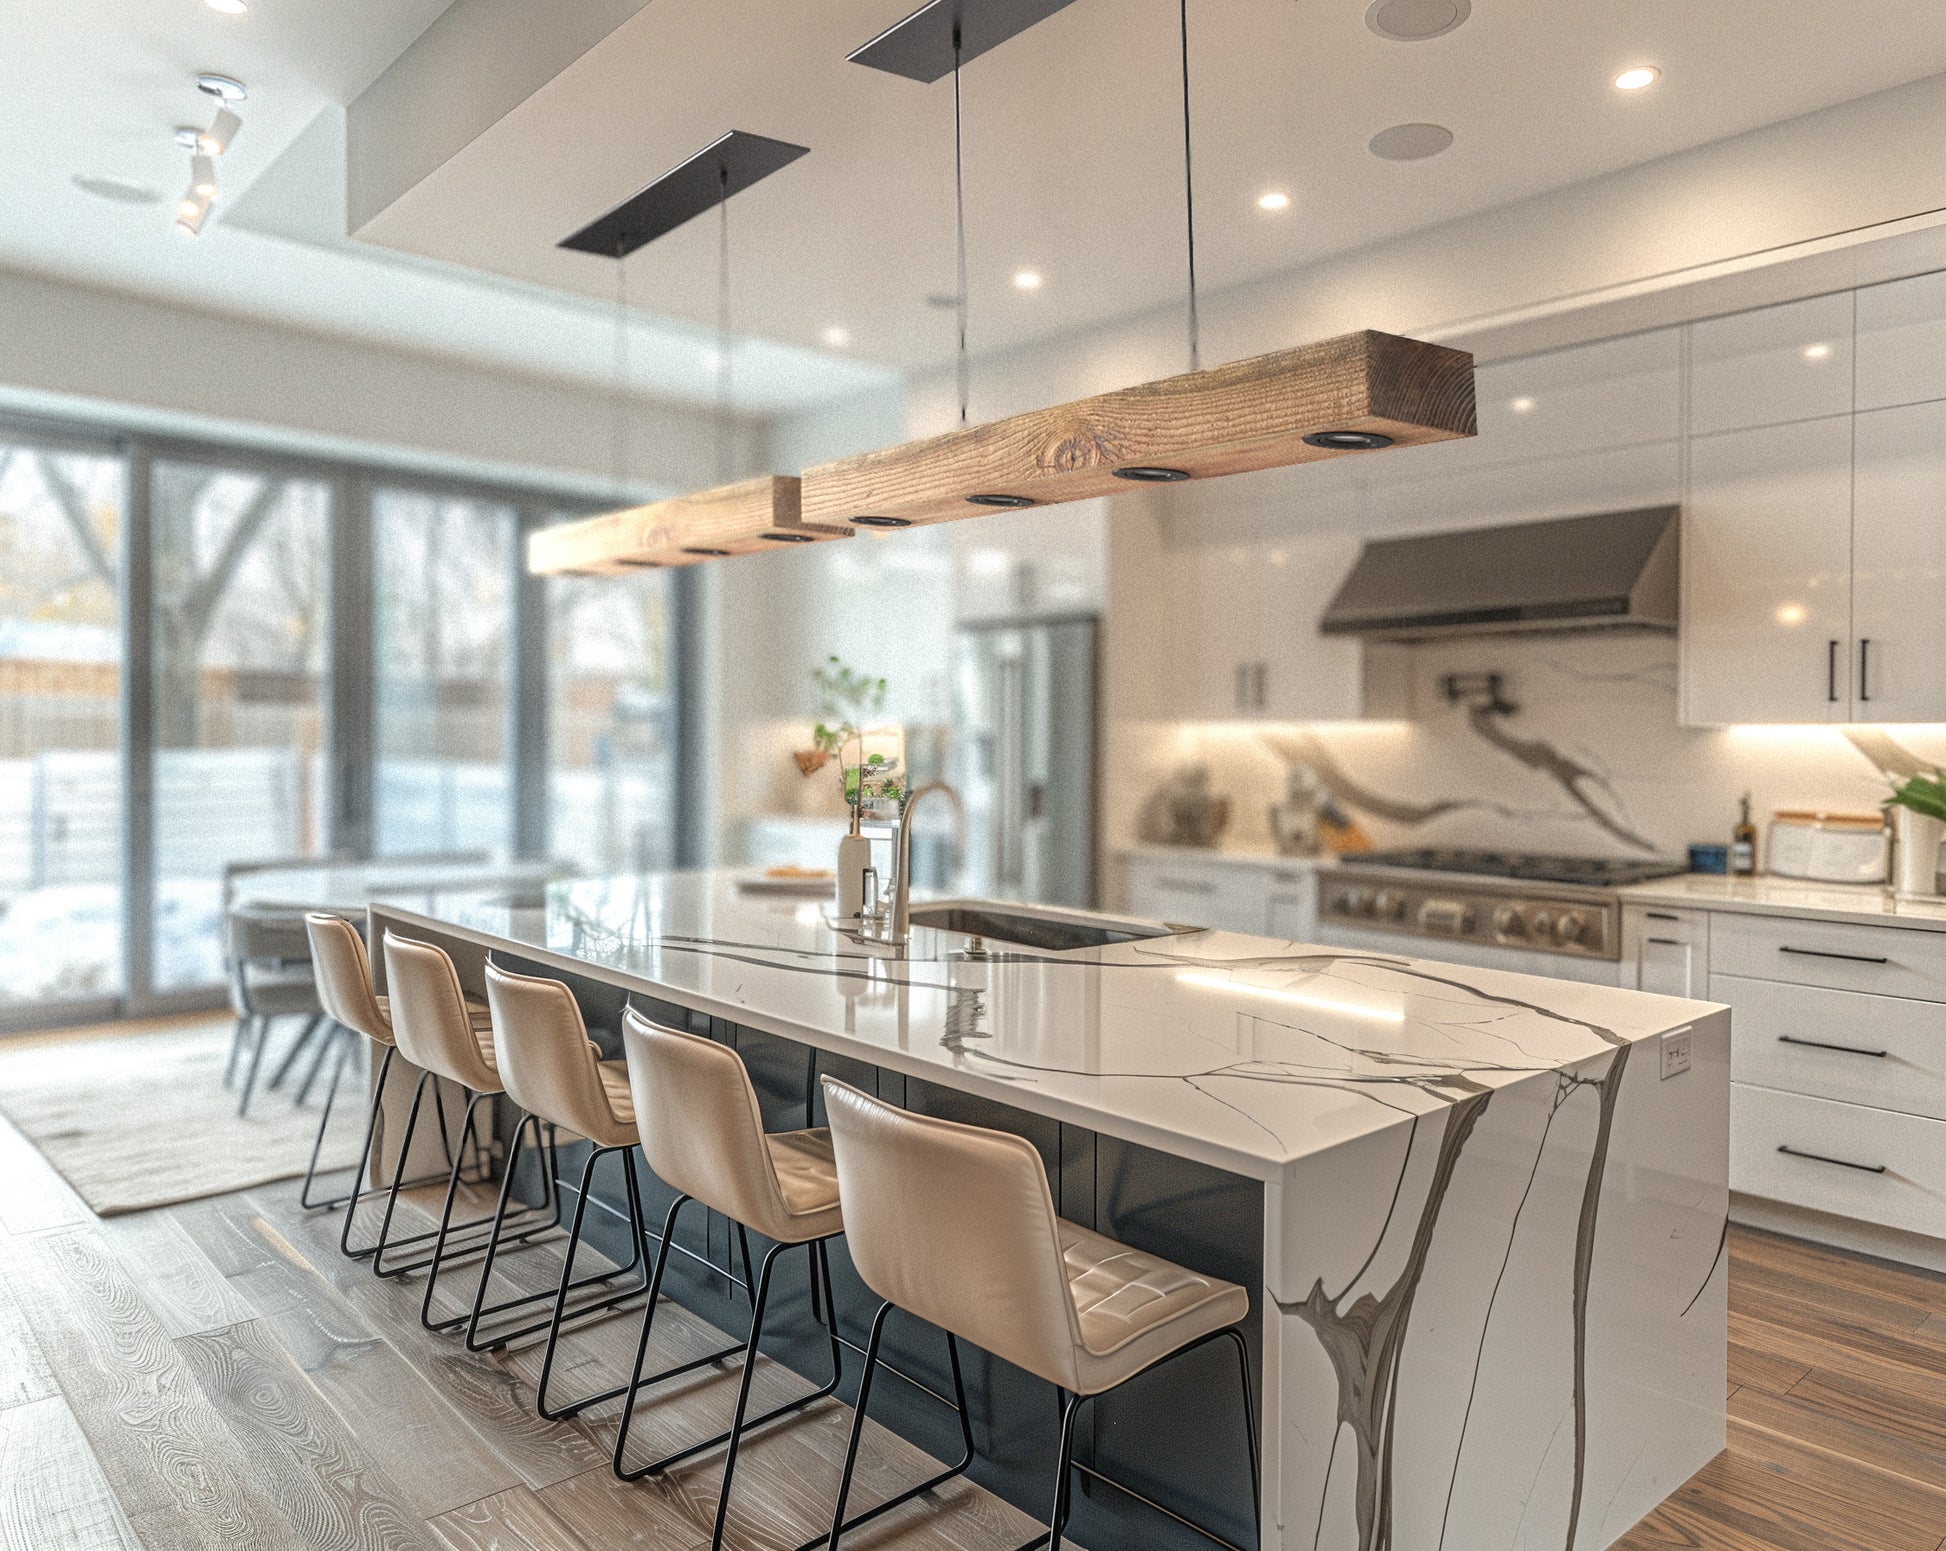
(1050, 931)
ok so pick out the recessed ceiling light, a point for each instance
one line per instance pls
(227, 7)
(837, 338)
(1634, 80)
(1521, 406)
(1273, 201)
(120, 191)
(1414, 21)
(1410, 142)
(1027, 279)
(1816, 352)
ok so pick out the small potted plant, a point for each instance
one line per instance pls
(847, 699)
(1918, 825)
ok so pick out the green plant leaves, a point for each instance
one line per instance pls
(1923, 794)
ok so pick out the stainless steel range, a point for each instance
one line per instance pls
(1498, 909)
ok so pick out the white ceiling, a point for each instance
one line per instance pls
(97, 87)
(1073, 161)
(1074, 146)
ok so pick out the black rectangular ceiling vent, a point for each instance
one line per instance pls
(920, 48)
(729, 165)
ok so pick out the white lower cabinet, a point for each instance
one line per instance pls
(1665, 951)
(1881, 1051)
(1867, 1165)
(1837, 1066)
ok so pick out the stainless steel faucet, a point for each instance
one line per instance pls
(901, 928)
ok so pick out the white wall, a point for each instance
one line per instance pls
(98, 354)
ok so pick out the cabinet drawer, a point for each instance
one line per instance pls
(1227, 898)
(1886, 960)
(1867, 1164)
(1664, 950)
(1884, 1051)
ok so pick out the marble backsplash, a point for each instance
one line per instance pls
(1590, 760)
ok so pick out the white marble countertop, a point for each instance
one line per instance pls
(1867, 904)
(1243, 1052)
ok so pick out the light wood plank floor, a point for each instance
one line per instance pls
(216, 1375)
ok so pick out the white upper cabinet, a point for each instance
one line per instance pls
(1898, 542)
(1773, 365)
(1766, 627)
(1902, 342)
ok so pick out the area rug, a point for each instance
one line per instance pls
(136, 1120)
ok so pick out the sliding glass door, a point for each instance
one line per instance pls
(211, 656)
(242, 641)
(443, 567)
(61, 664)
(611, 722)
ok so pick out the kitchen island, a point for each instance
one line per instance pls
(1482, 1214)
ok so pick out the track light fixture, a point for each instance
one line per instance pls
(191, 211)
(202, 176)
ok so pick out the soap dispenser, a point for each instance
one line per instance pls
(854, 861)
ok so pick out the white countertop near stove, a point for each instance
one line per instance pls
(1864, 904)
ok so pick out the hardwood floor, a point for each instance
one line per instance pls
(216, 1375)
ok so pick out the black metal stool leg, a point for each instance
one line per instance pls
(335, 1036)
(638, 1381)
(398, 1180)
(595, 1155)
(839, 1523)
(324, 1124)
(1063, 1483)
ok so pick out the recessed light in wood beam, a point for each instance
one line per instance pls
(748, 518)
(1357, 393)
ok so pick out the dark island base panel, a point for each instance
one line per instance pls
(1174, 1434)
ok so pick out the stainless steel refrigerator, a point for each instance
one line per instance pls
(1023, 757)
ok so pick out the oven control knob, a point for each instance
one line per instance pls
(1389, 905)
(1568, 927)
(1509, 922)
(1540, 925)
(1352, 902)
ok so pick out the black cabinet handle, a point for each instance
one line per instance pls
(1849, 958)
(1819, 1044)
(1262, 673)
(1831, 671)
(1843, 1163)
(1864, 667)
(1668, 942)
(1659, 915)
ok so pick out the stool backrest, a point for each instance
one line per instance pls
(429, 1018)
(344, 976)
(955, 1224)
(702, 1131)
(540, 1042)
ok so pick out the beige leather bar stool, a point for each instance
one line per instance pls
(956, 1225)
(446, 1035)
(703, 1135)
(344, 986)
(553, 1071)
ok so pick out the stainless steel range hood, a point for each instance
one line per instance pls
(1613, 570)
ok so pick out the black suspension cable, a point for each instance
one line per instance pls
(723, 379)
(959, 234)
(1189, 198)
(620, 428)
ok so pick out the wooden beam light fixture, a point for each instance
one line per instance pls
(1356, 393)
(742, 519)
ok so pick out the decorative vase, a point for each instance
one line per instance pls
(1916, 840)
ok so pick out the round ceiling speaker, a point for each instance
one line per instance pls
(1410, 142)
(1414, 21)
